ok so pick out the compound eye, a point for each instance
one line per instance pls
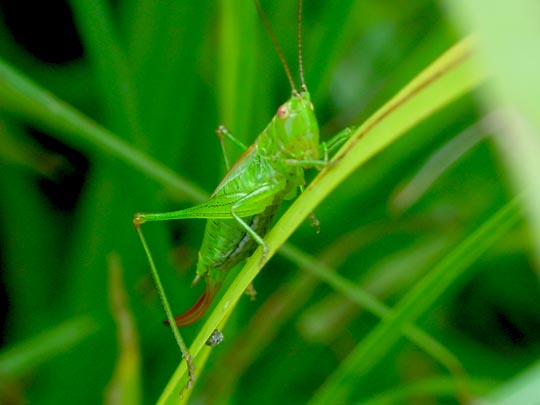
(282, 112)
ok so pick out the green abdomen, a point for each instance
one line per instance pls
(226, 243)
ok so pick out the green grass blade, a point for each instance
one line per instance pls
(373, 305)
(23, 98)
(237, 65)
(442, 387)
(125, 385)
(26, 356)
(349, 375)
(509, 44)
(523, 389)
(95, 24)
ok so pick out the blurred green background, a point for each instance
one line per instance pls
(83, 321)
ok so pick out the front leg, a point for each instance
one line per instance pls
(329, 147)
(325, 149)
(223, 133)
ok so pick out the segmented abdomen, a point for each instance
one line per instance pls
(226, 243)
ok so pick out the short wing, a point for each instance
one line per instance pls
(238, 168)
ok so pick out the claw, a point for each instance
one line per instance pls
(191, 374)
(138, 219)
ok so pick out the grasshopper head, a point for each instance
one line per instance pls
(296, 130)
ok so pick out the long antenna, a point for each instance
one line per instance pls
(276, 45)
(300, 58)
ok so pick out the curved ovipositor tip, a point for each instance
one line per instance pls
(196, 312)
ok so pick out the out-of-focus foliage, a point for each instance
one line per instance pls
(84, 321)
